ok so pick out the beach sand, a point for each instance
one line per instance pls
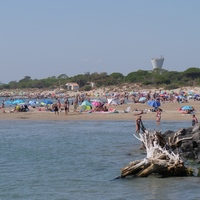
(170, 113)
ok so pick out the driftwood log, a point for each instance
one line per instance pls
(160, 158)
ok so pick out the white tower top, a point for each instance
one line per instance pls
(157, 62)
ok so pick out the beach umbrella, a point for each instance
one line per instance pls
(43, 104)
(32, 103)
(21, 104)
(46, 101)
(8, 103)
(187, 108)
(18, 101)
(142, 99)
(153, 103)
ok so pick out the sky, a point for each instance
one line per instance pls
(45, 38)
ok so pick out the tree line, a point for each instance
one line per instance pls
(155, 78)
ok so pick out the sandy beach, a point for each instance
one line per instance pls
(170, 113)
(170, 109)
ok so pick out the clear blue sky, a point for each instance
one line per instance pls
(44, 38)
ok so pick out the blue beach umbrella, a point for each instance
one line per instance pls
(186, 108)
(47, 102)
(18, 101)
(8, 103)
(32, 103)
(153, 103)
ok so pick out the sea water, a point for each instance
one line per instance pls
(58, 160)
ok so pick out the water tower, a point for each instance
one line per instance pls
(157, 62)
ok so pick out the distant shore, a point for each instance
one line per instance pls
(170, 113)
(170, 109)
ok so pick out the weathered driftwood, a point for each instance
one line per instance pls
(175, 141)
(160, 158)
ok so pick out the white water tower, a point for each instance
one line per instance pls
(157, 63)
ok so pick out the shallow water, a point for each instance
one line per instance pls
(79, 160)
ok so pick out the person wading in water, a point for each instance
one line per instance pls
(194, 120)
(139, 125)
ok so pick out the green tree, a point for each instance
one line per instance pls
(25, 79)
(192, 73)
(62, 76)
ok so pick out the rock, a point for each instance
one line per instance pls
(185, 141)
(188, 155)
(196, 128)
(187, 146)
(196, 136)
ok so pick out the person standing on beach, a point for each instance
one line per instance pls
(194, 120)
(55, 107)
(68, 104)
(59, 105)
(75, 104)
(66, 107)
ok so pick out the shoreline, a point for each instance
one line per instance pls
(170, 109)
(170, 113)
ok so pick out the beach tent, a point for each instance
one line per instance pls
(86, 103)
(85, 108)
(112, 102)
(142, 99)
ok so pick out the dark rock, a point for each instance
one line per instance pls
(187, 146)
(168, 134)
(189, 155)
(196, 152)
(196, 136)
(195, 144)
(196, 128)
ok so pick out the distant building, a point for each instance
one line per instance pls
(72, 86)
(157, 63)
